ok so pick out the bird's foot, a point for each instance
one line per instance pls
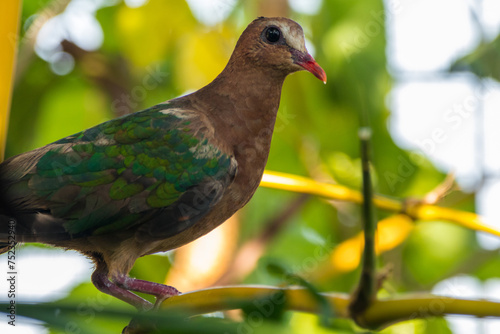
(103, 284)
(122, 285)
(160, 291)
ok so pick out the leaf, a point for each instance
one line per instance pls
(483, 61)
(294, 279)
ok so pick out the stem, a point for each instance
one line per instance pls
(366, 292)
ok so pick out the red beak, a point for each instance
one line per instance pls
(307, 62)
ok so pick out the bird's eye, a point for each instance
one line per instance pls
(272, 34)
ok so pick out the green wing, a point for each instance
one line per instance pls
(154, 168)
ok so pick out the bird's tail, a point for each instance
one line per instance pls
(5, 219)
(30, 227)
(7, 233)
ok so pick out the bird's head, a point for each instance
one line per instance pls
(277, 44)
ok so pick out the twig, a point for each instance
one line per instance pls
(441, 190)
(366, 290)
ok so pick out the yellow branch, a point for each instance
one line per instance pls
(9, 25)
(414, 209)
(229, 297)
(385, 312)
(380, 314)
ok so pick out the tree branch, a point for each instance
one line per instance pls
(380, 314)
(414, 209)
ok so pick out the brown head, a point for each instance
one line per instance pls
(276, 44)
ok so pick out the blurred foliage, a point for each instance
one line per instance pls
(160, 50)
(483, 61)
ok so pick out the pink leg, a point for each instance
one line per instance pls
(102, 283)
(160, 291)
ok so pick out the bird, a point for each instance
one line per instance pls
(156, 179)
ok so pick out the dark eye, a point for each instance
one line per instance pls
(273, 34)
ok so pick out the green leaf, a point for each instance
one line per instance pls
(483, 61)
(434, 249)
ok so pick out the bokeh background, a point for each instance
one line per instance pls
(422, 74)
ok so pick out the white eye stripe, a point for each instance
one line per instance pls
(293, 37)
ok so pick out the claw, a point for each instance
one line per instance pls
(122, 285)
(160, 291)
